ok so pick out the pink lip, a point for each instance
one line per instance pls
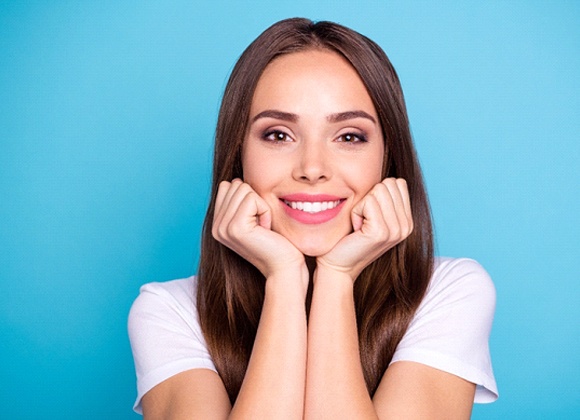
(311, 218)
(310, 197)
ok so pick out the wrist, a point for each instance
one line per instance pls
(328, 276)
(291, 281)
(326, 271)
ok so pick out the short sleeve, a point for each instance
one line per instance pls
(451, 328)
(165, 335)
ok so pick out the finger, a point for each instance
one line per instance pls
(233, 195)
(233, 199)
(402, 185)
(368, 216)
(254, 210)
(223, 188)
(388, 208)
(356, 215)
(233, 186)
(226, 191)
(399, 206)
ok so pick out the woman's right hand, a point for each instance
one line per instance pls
(242, 222)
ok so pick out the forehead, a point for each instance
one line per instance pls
(308, 75)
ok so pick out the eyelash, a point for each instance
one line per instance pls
(358, 138)
(273, 136)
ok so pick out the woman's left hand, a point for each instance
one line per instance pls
(381, 220)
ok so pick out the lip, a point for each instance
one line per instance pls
(312, 218)
(311, 197)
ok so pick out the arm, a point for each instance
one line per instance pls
(273, 386)
(335, 382)
(197, 391)
(274, 383)
(412, 390)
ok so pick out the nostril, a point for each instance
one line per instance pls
(315, 178)
(310, 168)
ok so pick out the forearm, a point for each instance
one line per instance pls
(335, 385)
(274, 383)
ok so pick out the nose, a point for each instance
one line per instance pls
(313, 162)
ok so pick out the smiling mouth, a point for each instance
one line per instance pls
(312, 207)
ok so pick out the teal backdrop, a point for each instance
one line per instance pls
(107, 113)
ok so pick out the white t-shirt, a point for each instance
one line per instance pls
(450, 330)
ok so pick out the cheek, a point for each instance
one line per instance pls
(368, 174)
(260, 173)
(251, 166)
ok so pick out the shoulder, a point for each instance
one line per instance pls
(460, 279)
(460, 298)
(446, 267)
(165, 310)
(176, 294)
(451, 327)
(171, 303)
(165, 334)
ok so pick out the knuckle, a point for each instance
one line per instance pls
(381, 186)
(233, 231)
(395, 232)
(223, 185)
(216, 232)
(405, 231)
(379, 191)
(382, 233)
(389, 181)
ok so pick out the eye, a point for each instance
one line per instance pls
(276, 136)
(352, 138)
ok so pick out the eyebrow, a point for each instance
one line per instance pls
(278, 115)
(333, 118)
(349, 115)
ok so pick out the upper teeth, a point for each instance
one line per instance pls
(312, 207)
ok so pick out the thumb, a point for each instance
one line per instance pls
(357, 215)
(263, 213)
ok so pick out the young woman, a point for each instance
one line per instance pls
(317, 294)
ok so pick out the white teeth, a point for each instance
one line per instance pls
(312, 207)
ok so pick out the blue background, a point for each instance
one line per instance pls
(107, 113)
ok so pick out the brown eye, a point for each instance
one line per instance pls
(352, 138)
(276, 136)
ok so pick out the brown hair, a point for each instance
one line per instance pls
(230, 290)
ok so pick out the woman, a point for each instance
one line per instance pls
(317, 294)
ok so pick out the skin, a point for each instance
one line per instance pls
(313, 130)
(304, 150)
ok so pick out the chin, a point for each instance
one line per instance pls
(314, 243)
(314, 248)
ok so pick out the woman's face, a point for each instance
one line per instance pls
(314, 147)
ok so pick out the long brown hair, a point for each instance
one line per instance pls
(230, 290)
